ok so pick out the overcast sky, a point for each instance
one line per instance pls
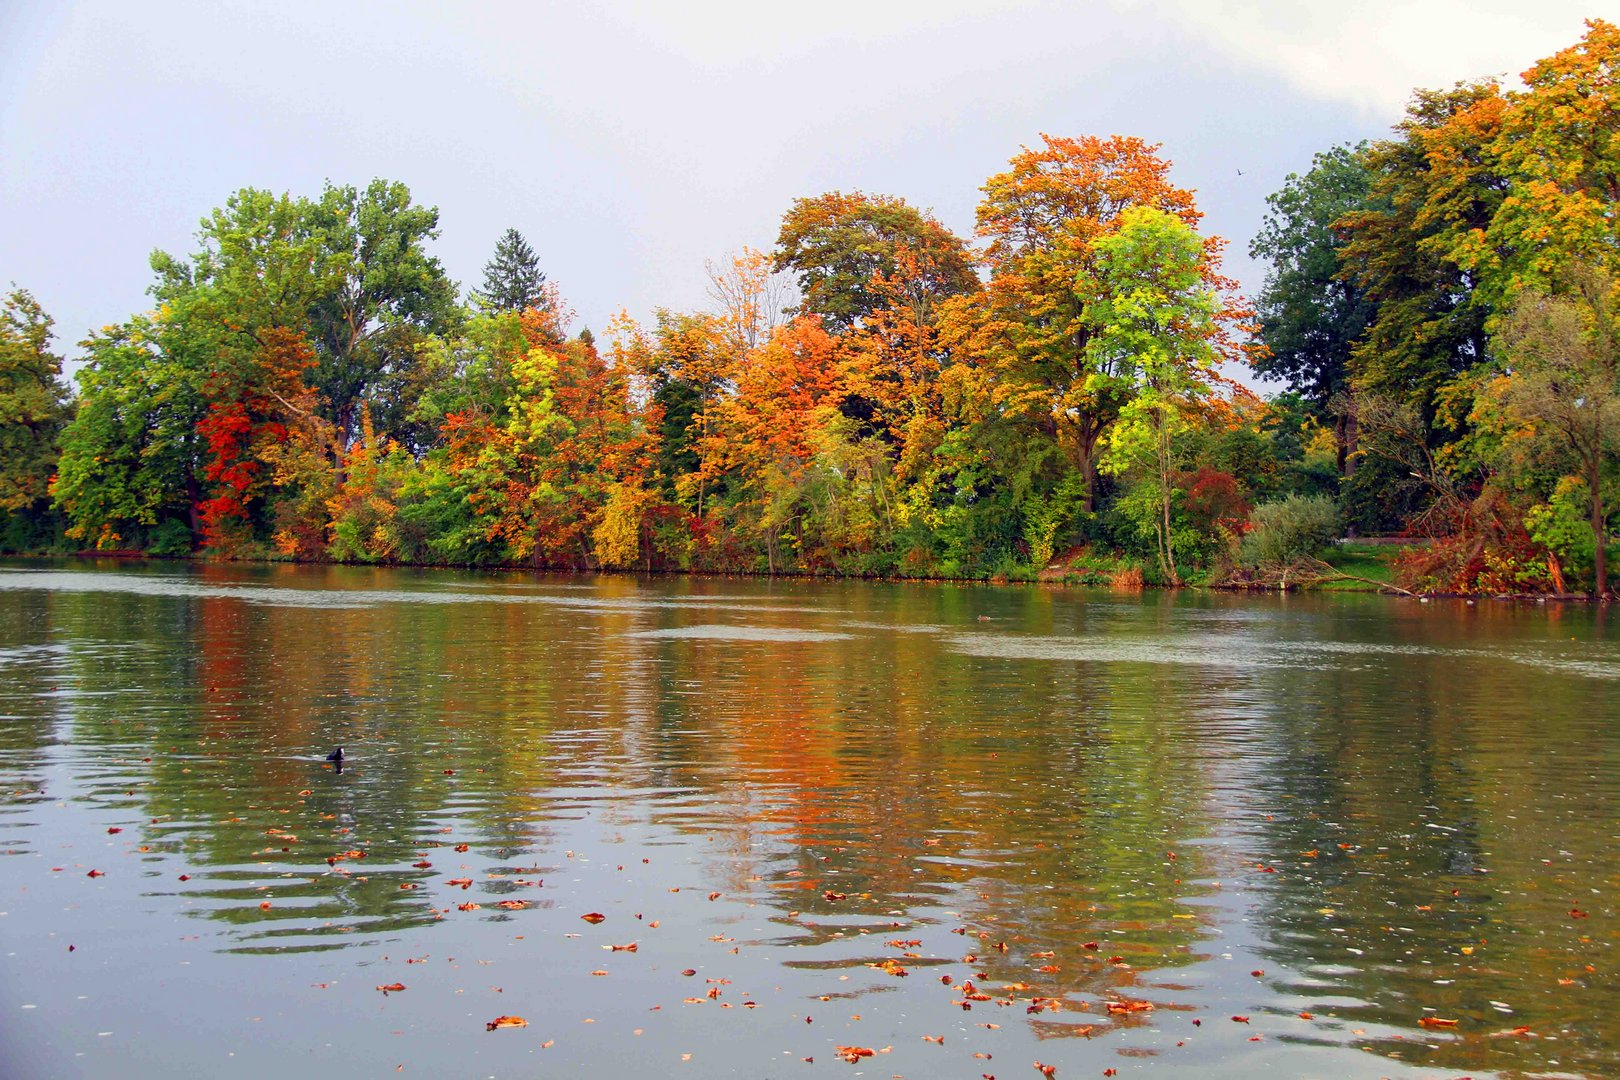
(631, 141)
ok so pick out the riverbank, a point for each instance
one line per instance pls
(1361, 566)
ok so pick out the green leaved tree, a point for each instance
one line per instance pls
(33, 403)
(1152, 316)
(1312, 314)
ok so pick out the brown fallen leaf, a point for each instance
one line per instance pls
(392, 988)
(852, 1054)
(1436, 1022)
(513, 905)
(593, 917)
(1129, 1006)
(506, 1022)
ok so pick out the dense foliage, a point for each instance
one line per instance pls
(875, 396)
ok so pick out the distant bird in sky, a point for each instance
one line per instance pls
(1240, 172)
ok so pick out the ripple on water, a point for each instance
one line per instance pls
(726, 632)
(871, 789)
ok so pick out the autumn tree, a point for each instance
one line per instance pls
(1043, 218)
(689, 365)
(1559, 147)
(752, 296)
(1558, 400)
(837, 244)
(1411, 251)
(252, 409)
(765, 438)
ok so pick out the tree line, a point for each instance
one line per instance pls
(876, 395)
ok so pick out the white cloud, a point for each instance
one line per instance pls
(1373, 53)
(632, 139)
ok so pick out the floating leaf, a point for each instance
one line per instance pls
(1129, 1006)
(593, 917)
(506, 1022)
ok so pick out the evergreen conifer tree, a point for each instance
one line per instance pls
(513, 280)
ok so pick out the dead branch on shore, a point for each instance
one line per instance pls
(1306, 572)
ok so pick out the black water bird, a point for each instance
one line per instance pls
(336, 756)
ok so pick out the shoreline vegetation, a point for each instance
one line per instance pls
(1330, 573)
(878, 397)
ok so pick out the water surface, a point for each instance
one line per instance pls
(967, 829)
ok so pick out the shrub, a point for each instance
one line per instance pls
(1293, 528)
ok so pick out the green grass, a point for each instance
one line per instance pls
(1372, 561)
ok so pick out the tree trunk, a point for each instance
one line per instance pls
(1600, 554)
(193, 497)
(1164, 497)
(1085, 463)
(1344, 439)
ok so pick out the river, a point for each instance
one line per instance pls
(968, 829)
